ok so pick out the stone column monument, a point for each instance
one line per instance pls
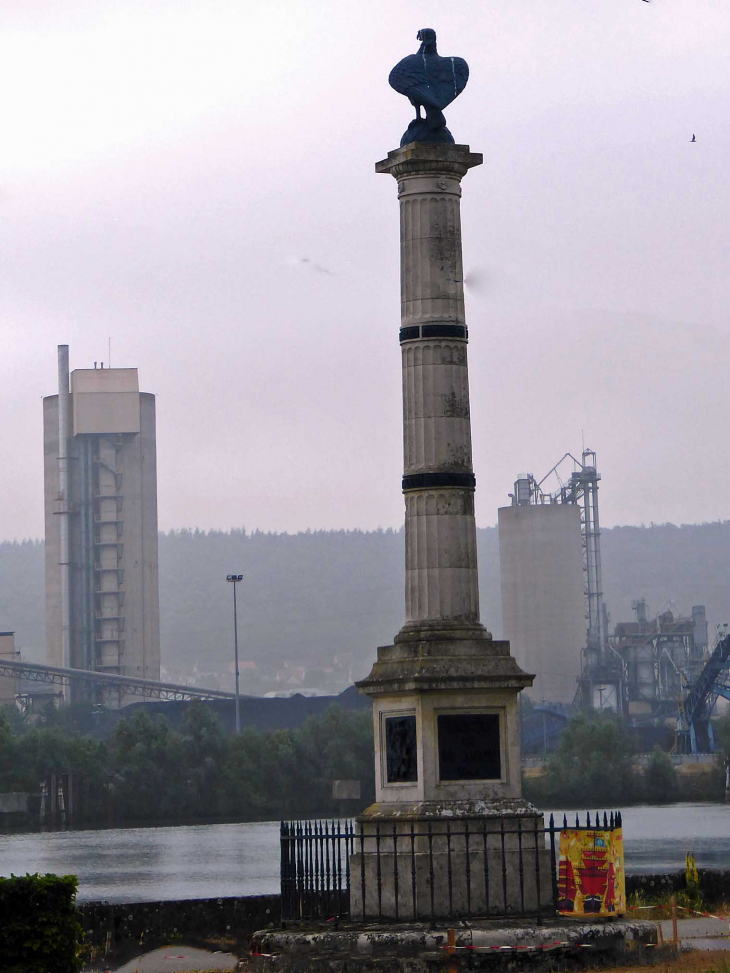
(445, 694)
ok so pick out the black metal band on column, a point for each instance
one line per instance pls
(428, 481)
(417, 331)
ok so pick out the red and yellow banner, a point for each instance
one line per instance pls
(591, 878)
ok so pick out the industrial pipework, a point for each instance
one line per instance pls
(63, 510)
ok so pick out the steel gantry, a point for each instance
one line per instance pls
(130, 685)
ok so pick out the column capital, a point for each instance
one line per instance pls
(418, 158)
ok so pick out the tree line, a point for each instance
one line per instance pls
(596, 764)
(146, 771)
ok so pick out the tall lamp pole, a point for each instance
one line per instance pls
(234, 579)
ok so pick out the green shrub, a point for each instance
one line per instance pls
(39, 931)
(660, 778)
(593, 764)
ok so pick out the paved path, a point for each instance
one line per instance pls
(700, 933)
(179, 959)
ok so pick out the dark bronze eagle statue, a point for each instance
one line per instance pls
(431, 82)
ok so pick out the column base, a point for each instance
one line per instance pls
(428, 664)
(442, 629)
(430, 861)
(475, 808)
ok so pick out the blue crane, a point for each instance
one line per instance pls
(694, 731)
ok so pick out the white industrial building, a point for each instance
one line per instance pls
(543, 609)
(102, 603)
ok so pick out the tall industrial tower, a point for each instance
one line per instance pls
(552, 590)
(100, 471)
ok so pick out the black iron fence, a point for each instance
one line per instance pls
(467, 868)
(315, 868)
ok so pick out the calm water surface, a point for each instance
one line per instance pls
(217, 860)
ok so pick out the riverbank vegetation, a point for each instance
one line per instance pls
(596, 763)
(148, 771)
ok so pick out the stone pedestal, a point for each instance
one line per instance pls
(445, 694)
(449, 833)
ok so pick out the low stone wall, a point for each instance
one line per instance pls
(714, 884)
(137, 926)
(496, 945)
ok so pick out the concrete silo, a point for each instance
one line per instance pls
(543, 601)
(102, 604)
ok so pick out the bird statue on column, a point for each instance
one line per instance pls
(431, 82)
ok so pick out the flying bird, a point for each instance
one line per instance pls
(318, 267)
(431, 82)
(693, 139)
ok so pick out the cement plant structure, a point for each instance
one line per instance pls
(556, 619)
(102, 603)
(550, 564)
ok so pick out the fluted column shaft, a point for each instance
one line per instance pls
(442, 593)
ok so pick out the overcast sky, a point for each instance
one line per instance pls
(195, 180)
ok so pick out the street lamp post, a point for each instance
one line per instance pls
(234, 579)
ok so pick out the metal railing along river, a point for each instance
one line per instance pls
(493, 868)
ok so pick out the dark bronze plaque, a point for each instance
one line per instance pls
(469, 746)
(400, 749)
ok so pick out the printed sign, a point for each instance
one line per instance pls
(591, 878)
(469, 746)
(401, 755)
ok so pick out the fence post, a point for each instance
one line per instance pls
(520, 865)
(284, 871)
(395, 867)
(675, 933)
(378, 870)
(486, 868)
(451, 948)
(468, 867)
(504, 866)
(413, 871)
(430, 873)
(449, 873)
(362, 870)
(553, 864)
(538, 890)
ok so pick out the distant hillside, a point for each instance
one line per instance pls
(689, 565)
(309, 597)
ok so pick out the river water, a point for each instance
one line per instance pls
(217, 860)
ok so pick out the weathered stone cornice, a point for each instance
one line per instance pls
(424, 157)
(425, 667)
(450, 810)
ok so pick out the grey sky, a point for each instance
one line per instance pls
(166, 165)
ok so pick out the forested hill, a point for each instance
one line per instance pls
(308, 597)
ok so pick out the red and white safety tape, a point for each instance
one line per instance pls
(707, 915)
(694, 912)
(537, 947)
